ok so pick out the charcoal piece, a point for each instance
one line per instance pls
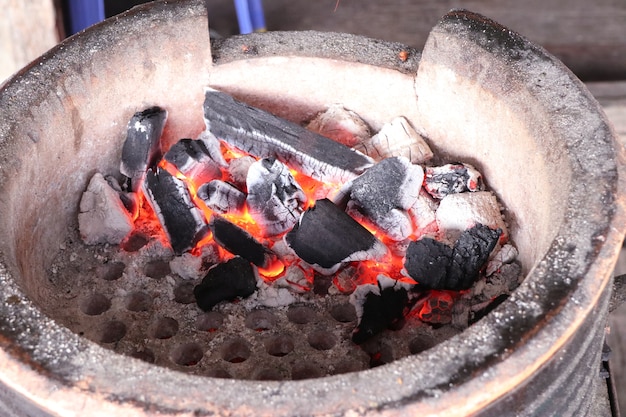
(142, 147)
(192, 159)
(378, 307)
(386, 191)
(435, 265)
(225, 282)
(239, 242)
(182, 221)
(214, 147)
(222, 197)
(275, 200)
(451, 179)
(341, 125)
(326, 237)
(264, 135)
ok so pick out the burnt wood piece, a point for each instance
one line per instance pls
(264, 135)
(142, 147)
(275, 200)
(222, 197)
(452, 178)
(192, 159)
(386, 191)
(435, 265)
(239, 242)
(379, 307)
(326, 237)
(225, 282)
(182, 221)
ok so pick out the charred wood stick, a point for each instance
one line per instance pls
(267, 136)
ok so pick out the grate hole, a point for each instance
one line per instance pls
(95, 305)
(321, 340)
(164, 328)
(261, 320)
(235, 351)
(209, 322)
(279, 346)
(183, 293)
(145, 355)
(420, 344)
(135, 242)
(268, 374)
(218, 373)
(188, 354)
(305, 371)
(157, 269)
(112, 332)
(301, 314)
(343, 313)
(112, 271)
(138, 301)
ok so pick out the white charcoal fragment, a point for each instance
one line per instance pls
(238, 169)
(506, 254)
(102, 217)
(397, 138)
(423, 213)
(192, 267)
(341, 125)
(462, 211)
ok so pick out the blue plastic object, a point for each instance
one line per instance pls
(250, 15)
(84, 13)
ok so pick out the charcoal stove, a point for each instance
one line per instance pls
(480, 92)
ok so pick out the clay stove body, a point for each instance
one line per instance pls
(479, 92)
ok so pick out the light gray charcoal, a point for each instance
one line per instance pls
(452, 179)
(222, 197)
(183, 222)
(214, 147)
(275, 200)
(239, 242)
(102, 217)
(238, 169)
(386, 191)
(142, 147)
(192, 159)
(397, 138)
(341, 125)
(326, 237)
(264, 135)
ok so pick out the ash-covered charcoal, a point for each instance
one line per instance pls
(435, 265)
(239, 242)
(386, 191)
(182, 221)
(142, 147)
(264, 135)
(226, 282)
(214, 148)
(452, 178)
(458, 212)
(222, 197)
(238, 169)
(275, 200)
(397, 138)
(102, 217)
(378, 306)
(327, 237)
(423, 213)
(130, 200)
(192, 159)
(341, 125)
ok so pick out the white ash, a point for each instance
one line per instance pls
(423, 213)
(341, 125)
(459, 212)
(191, 267)
(102, 217)
(505, 255)
(397, 138)
(295, 279)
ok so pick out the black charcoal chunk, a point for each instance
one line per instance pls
(182, 221)
(451, 179)
(226, 282)
(222, 197)
(326, 237)
(378, 307)
(275, 200)
(192, 159)
(142, 147)
(264, 135)
(435, 265)
(385, 192)
(239, 242)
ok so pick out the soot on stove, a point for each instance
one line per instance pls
(285, 211)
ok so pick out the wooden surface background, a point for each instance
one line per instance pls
(588, 36)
